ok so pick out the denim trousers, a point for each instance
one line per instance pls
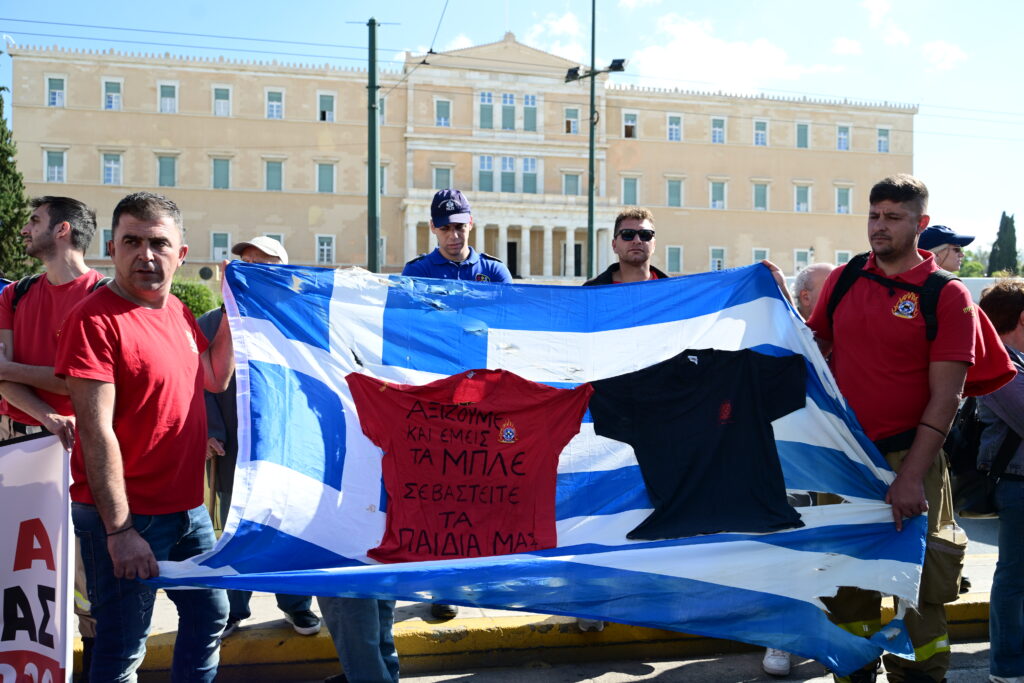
(123, 608)
(238, 601)
(361, 629)
(1006, 612)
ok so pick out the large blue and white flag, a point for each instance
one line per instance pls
(309, 501)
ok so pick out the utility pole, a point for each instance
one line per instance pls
(373, 255)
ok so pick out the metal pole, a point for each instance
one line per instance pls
(373, 255)
(591, 233)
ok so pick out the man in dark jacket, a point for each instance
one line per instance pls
(633, 242)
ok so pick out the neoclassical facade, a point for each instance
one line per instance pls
(281, 149)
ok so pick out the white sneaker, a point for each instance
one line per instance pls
(775, 662)
(589, 624)
(1003, 679)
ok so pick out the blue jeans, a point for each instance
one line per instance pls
(361, 629)
(123, 608)
(1006, 613)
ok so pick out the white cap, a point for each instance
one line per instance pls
(268, 245)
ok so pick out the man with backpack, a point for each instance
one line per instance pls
(902, 340)
(32, 309)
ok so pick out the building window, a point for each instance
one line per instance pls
(275, 236)
(167, 171)
(717, 260)
(508, 174)
(221, 174)
(530, 175)
(111, 169)
(629, 191)
(168, 98)
(802, 198)
(530, 112)
(112, 95)
(629, 125)
(108, 235)
(759, 254)
(273, 176)
(486, 110)
(54, 92)
(801, 259)
(325, 178)
(325, 107)
(674, 192)
(571, 184)
(220, 246)
(325, 249)
(485, 175)
(842, 256)
(382, 181)
(674, 259)
(760, 196)
(508, 111)
(381, 109)
(55, 166)
(883, 140)
(442, 113)
(675, 128)
(803, 135)
(572, 121)
(842, 200)
(275, 104)
(717, 194)
(718, 131)
(760, 133)
(222, 101)
(442, 178)
(843, 138)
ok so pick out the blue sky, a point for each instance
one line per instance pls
(958, 61)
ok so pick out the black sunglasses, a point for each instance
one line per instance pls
(627, 235)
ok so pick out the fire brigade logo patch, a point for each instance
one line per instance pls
(480, 277)
(906, 307)
(507, 433)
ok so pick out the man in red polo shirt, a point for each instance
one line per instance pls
(905, 391)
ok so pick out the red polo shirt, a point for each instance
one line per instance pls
(880, 353)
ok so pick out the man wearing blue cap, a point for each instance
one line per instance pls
(947, 246)
(453, 259)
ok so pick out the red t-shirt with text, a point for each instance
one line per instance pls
(152, 358)
(470, 461)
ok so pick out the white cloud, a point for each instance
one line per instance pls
(458, 42)
(560, 34)
(878, 18)
(846, 46)
(694, 58)
(894, 35)
(877, 11)
(941, 55)
(633, 4)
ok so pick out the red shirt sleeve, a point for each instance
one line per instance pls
(992, 365)
(6, 311)
(202, 343)
(87, 347)
(819, 321)
(957, 322)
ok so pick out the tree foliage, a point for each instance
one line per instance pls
(13, 207)
(196, 295)
(1003, 258)
(972, 266)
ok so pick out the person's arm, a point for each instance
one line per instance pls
(219, 359)
(38, 376)
(780, 279)
(906, 493)
(94, 405)
(25, 399)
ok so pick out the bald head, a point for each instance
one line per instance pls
(808, 286)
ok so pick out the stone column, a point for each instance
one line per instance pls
(524, 252)
(603, 249)
(548, 251)
(503, 243)
(481, 235)
(411, 226)
(570, 252)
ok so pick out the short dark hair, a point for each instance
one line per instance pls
(901, 188)
(1003, 303)
(147, 206)
(637, 212)
(80, 217)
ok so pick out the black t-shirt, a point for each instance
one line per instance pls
(700, 425)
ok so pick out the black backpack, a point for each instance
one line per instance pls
(929, 291)
(22, 286)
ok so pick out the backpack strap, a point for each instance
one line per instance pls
(850, 273)
(930, 292)
(102, 282)
(21, 287)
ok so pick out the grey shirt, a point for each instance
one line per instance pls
(1001, 411)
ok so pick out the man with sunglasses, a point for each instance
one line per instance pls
(947, 246)
(633, 242)
(453, 259)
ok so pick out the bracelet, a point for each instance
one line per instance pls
(925, 424)
(121, 531)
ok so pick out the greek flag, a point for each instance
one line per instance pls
(309, 501)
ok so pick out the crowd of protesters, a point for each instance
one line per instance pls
(123, 374)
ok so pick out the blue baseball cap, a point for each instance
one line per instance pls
(449, 206)
(937, 235)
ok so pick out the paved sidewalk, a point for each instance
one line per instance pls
(267, 648)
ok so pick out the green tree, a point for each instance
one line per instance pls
(13, 207)
(1003, 258)
(972, 266)
(194, 294)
